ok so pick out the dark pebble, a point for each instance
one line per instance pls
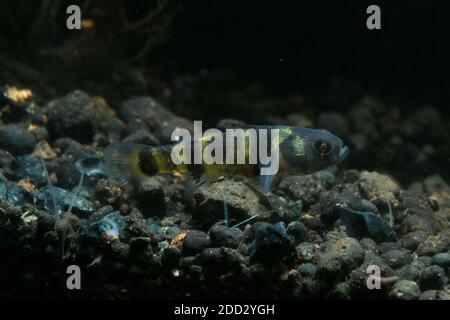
(195, 242)
(442, 260)
(433, 277)
(397, 258)
(270, 245)
(91, 166)
(368, 244)
(30, 166)
(428, 295)
(360, 224)
(170, 257)
(73, 115)
(412, 240)
(16, 139)
(405, 290)
(306, 251)
(222, 236)
(213, 260)
(298, 230)
(339, 258)
(120, 249)
(432, 245)
(412, 271)
(142, 248)
(387, 246)
(307, 269)
(107, 192)
(150, 198)
(340, 195)
(68, 176)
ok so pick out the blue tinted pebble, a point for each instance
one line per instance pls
(32, 167)
(92, 166)
(360, 224)
(111, 225)
(57, 201)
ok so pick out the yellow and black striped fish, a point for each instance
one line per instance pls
(301, 151)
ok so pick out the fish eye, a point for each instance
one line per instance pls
(323, 147)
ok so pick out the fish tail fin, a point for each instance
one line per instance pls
(123, 163)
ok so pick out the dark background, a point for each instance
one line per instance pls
(320, 49)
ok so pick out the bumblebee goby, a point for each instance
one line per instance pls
(301, 151)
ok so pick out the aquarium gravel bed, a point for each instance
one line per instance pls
(313, 236)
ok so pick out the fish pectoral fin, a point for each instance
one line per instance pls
(267, 181)
(261, 184)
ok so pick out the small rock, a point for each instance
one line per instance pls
(73, 116)
(111, 226)
(397, 258)
(68, 176)
(91, 166)
(150, 197)
(307, 269)
(444, 294)
(339, 257)
(428, 295)
(48, 197)
(195, 242)
(222, 236)
(422, 221)
(357, 279)
(78, 116)
(432, 245)
(30, 166)
(331, 201)
(121, 250)
(412, 240)
(107, 192)
(241, 201)
(142, 248)
(433, 277)
(442, 259)
(361, 224)
(306, 251)
(170, 257)
(411, 271)
(271, 244)
(137, 226)
(405, 290)
(387, 246)
(305, 188)
(368, 244)
(16, 139)
(298, 230)
(379, 188)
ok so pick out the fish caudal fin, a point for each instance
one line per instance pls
(123, 162)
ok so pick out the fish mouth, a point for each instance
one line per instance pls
(343, 153)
